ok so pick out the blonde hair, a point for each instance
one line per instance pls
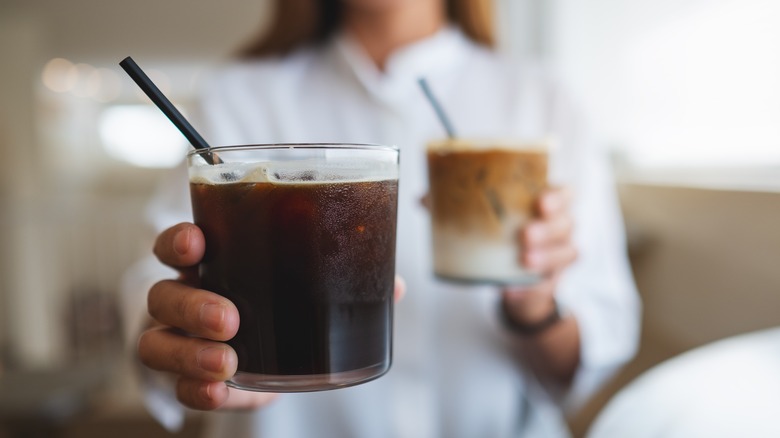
(302, 22)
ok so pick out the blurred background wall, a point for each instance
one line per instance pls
(684, 93)
(73, 206)
(82, 151)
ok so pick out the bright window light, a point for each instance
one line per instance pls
(704, 87)
(142, 136)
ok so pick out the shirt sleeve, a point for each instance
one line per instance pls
(158, 392)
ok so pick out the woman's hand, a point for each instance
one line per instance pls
(547, 249)
(190, 326)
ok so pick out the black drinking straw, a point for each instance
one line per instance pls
(437, 107)
(165, 105)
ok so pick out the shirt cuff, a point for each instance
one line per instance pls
(606, 344)
(160, 399)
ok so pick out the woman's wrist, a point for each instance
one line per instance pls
(530, 318)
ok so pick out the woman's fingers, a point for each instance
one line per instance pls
(425, 201)
(244, 400)
(554, 201)
(201, 364)
(546, 242)
(181, 246)
(549, 260)
(196, 311)
(553, 231)
(200, 394)
(399, 289)
(163, 349)
(204, 395)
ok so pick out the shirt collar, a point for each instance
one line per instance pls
(440, 53)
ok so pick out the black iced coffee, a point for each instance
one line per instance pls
(304, 246)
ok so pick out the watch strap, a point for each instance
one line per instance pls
(530, 329)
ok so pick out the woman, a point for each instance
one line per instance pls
(346, 71)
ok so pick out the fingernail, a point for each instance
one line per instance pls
(181, 243)
(213, 316)
(211, 359)
(205, 392)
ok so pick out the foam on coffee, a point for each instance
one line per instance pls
(458, 144)
(293, 172)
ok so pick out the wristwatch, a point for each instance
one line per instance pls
(531, 329)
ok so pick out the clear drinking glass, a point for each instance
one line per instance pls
(301, 238)
(482, 193)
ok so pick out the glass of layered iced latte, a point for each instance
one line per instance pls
(481, 194)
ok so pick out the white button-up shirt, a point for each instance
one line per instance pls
(456, 372)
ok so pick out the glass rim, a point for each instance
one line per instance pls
(282, 146)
